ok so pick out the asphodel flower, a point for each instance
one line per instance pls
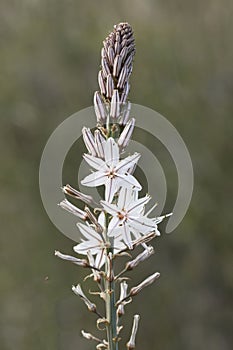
(111, 172)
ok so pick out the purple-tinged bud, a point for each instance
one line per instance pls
(101, 82)
(117, 65)
(124, 53)
(109, 86)
(99, 141)
(111, 55)
(99, 107)
(89, 141)
(105, 67)
(115, 105)
(123, 77)
(126, 134)
(125, 93)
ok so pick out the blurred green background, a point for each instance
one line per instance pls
(183, 69)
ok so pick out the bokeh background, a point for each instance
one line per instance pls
(183, 69)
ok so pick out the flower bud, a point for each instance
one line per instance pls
(99, 107)
(126, 134)
(115, 105)
(89, 141)
(101, 83)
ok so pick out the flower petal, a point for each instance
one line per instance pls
(127, 236)
(125, 197)
(142, 224)
(95, 179)
(100, 259)
(113, 225)
(137, 206)
(111, 187)
(110, 208)
(94, 162)
(129, 181)
(111, 152)
(127, 163)
(89, 233)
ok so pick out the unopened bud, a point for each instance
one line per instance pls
(126, 134)
(89, 141)
(115, 105)
(123, 77)
(117, 65)
(99, 141)
(109, 86)
(101, 82)
(99, 107)
(125, 92)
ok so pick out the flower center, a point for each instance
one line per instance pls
(121, 215)
(111, 174)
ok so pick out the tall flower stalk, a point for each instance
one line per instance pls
(119, 225)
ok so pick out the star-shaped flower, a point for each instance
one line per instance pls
(111, 172)
(95, 244)
(128, 216)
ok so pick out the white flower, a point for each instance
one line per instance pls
(128, 216)
(96, 245)
(111, 172)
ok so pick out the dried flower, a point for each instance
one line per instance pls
(131, 342)
(149, 280)
(148, 251)
(65, 204)
(123, 295)
(78, 195)
(80, 262)
(78, 291)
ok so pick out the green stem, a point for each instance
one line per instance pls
(111, 310)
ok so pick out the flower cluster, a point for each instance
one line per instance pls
(119, 222)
